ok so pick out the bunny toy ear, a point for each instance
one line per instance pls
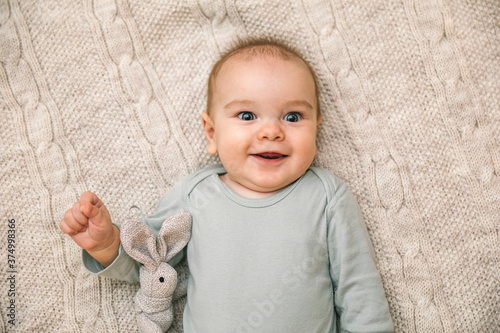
(139, 241)
(174, 235)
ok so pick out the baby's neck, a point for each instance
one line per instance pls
(244, 191)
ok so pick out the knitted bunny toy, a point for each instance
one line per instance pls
(153, 301)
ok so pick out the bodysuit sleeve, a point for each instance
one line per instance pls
(124, 267)
(360, 301)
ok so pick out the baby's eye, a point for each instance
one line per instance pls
(246, 116)
(292, 117)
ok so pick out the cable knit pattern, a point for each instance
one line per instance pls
(106, 95)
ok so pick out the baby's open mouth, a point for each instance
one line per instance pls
(270, 155)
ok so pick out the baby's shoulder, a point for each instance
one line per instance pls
(333, 186)
(181, 190)
(194, 179)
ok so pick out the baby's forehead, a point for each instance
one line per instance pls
(230, 62)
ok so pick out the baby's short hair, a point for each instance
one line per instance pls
(255, 47)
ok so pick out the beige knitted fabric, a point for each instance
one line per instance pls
(106, 96)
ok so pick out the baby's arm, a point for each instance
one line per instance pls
(360, 300)
(88, 223)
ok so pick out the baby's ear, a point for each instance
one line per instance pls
(208, 126)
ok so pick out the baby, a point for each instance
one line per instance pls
(276, 245)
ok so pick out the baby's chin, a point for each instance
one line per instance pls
(262, 192)
(257, 188)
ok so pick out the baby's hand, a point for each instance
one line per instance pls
(88, 223)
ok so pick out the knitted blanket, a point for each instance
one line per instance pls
(106, 96)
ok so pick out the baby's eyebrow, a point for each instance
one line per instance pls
(238, 102)
(300, 103)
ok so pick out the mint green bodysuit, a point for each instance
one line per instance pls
(296, 261)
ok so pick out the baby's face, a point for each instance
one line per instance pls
(263, 123)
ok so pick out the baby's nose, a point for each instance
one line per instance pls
(271, 131)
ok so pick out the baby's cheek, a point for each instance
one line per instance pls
(230, 163)
(306, 145)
